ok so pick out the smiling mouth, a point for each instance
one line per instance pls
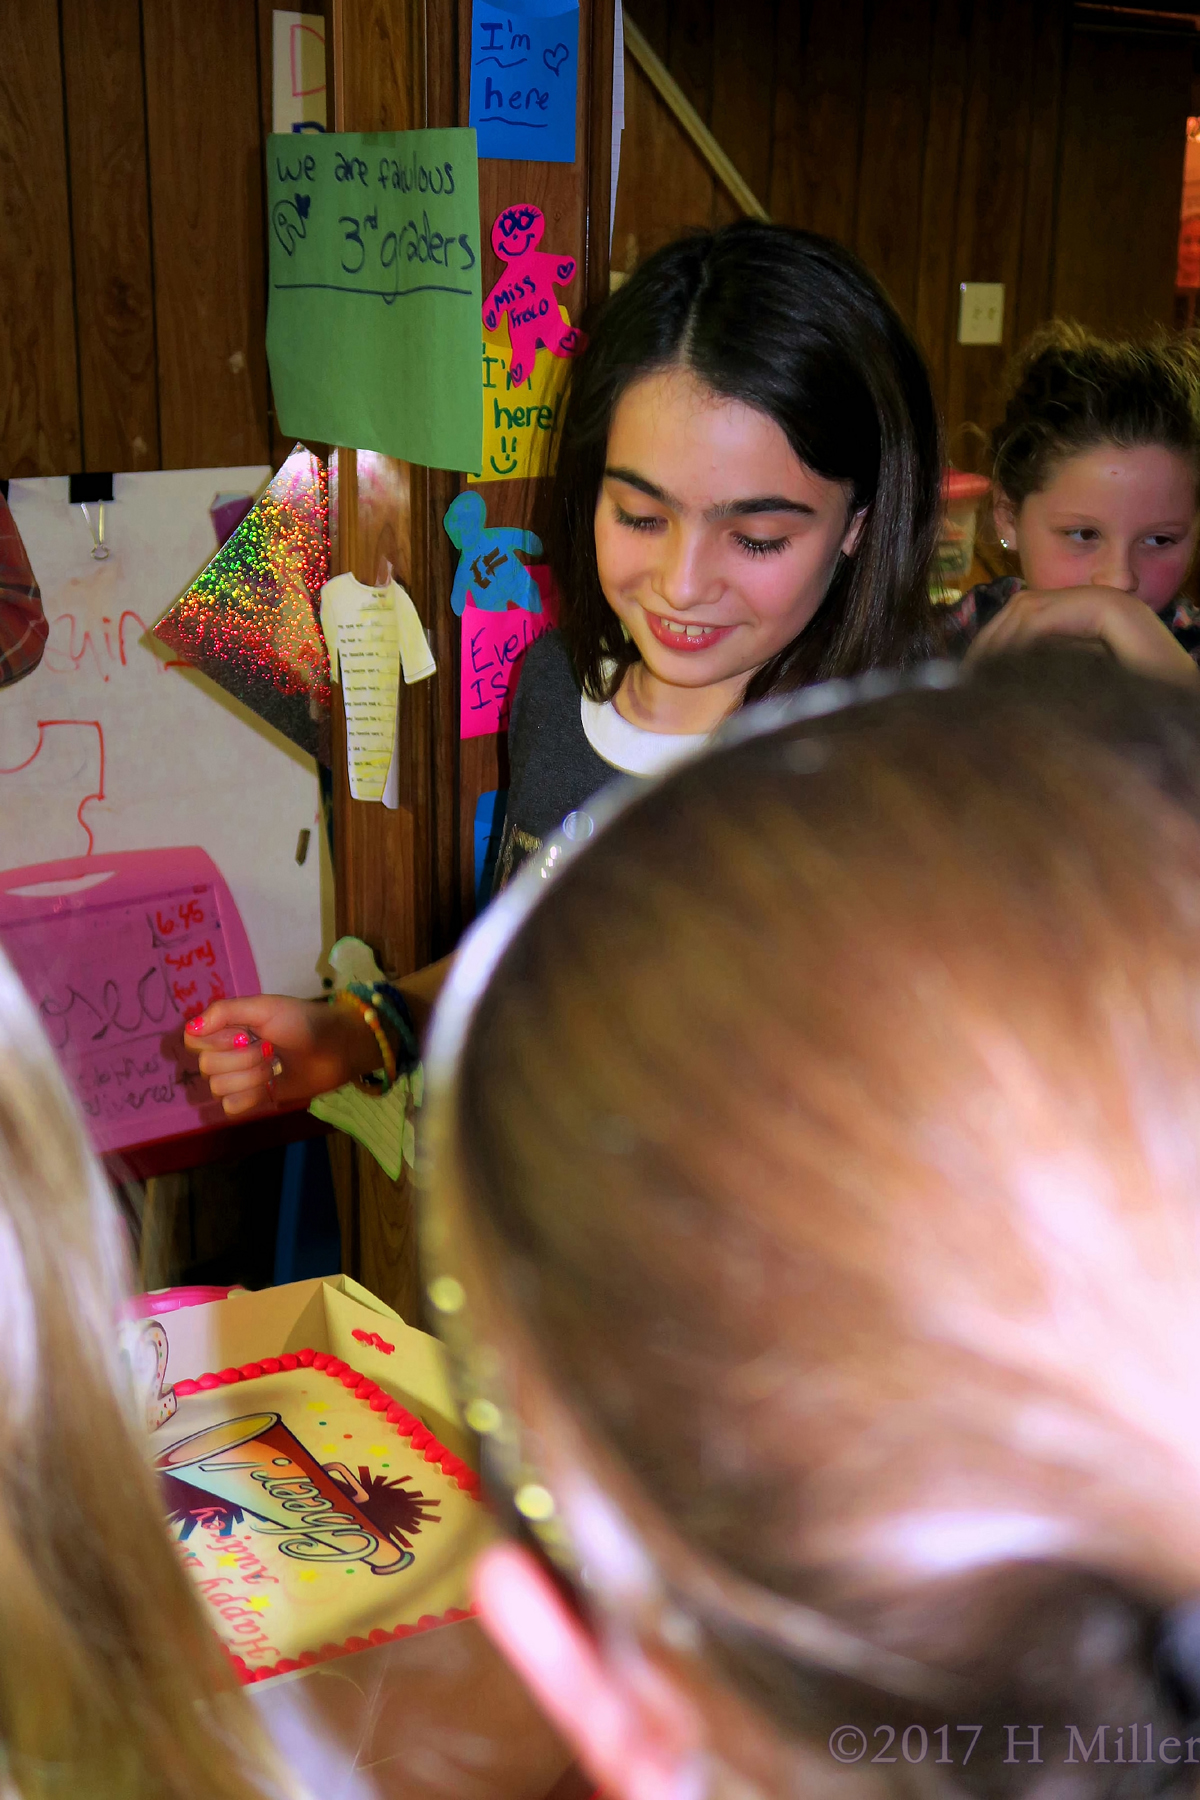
(685, 637)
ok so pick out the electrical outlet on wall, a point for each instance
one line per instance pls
(980, 312)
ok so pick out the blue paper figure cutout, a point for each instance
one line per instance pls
(488, 569)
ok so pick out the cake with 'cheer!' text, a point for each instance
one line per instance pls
(315, 1513)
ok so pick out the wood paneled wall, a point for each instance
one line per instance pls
(405, 879)
(132, 260)
(1116, 243)
(945, 140)
(39, 371)
(1022, 141)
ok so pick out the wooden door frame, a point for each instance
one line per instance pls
(404, 879)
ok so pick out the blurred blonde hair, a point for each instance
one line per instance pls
(111, 1681)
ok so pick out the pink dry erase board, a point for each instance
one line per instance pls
(166, 1300)
(117, 953)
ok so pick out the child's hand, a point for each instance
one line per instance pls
(314, 1046)
(1136, 636)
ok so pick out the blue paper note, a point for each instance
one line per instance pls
(489, 828)
(524, 69)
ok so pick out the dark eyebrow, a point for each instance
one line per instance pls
(765, 503)
(728, 509)
(633, 480)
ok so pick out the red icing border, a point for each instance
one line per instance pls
(407, 1425)
(373, 1338)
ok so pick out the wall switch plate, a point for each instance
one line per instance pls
(980, 312)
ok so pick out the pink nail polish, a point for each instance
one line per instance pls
(242, 1040)
(268, 1050)
(195, 1026)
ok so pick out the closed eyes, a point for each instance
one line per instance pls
(752, 546)
(760, 546)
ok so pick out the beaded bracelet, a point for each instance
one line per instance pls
(390, 1003)
(371, 1083)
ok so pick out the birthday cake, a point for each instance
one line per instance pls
(315, 1513)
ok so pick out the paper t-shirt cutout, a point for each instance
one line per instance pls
(373, 634)
(488, 568)
(368, 654)
(520, 424)
(381, 1124)
(524, 79)
(493, 646)
(525, 291)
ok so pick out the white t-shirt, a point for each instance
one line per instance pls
(631, 748)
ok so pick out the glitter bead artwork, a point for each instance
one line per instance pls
(250, 620)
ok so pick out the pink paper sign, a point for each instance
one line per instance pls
(116, 952)
(493, 648)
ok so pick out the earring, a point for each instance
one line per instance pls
(1004, 544)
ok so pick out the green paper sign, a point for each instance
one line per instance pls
(373, 322)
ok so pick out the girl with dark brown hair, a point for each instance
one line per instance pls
(745, 502)
(815, 1161)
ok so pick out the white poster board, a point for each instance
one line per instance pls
(109, 745)
(298, 71)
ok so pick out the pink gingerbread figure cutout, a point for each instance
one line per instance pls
(526, 291)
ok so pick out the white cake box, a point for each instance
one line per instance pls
(413, 1711)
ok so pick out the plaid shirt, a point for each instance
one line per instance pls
(981, 604)
(23, 628)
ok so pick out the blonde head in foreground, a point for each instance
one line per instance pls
(816, 1221)
(112, 1685)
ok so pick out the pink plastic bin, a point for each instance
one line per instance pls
(117, 952)
(166, 1300)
